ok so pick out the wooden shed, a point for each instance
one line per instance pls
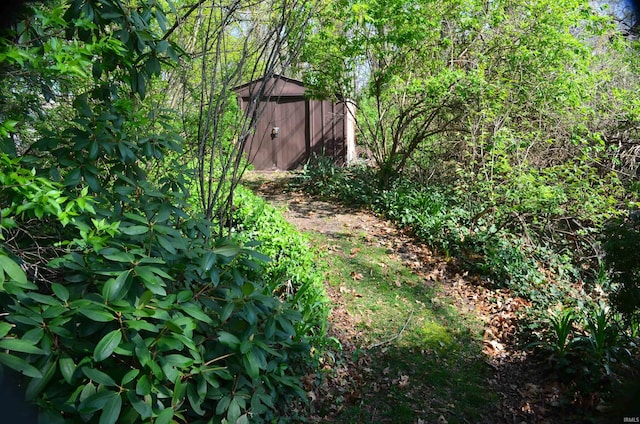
(290, 127)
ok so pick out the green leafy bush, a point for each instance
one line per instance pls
(123, 307)
(352, 184)
(293, 272)
(135, 329)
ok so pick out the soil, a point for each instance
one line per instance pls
(525, 392)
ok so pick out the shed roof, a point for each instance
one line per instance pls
(278, 86)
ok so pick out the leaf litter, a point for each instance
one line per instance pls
(349, 380)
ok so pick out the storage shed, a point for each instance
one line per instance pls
(291, 127)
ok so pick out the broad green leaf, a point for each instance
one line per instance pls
(179, 360)
(106, 345)
(207, 261)
(60, 291)
(5, 327)
(67, 368)
(141, 349)
(223, 405)
(144, 298)
(54, 311)
(233, 413)
(257, 255)
(13, 270)
(128, 377)
(251, 365)
(115, 289)
(20, 365)
(184, 296)
(119, 256)
(111, 410)
(143, 408)
(96, 401)
(227, 311)
(228, 339)
(18, 345)
(88, 390)
(195, 400)
(179, 393)
(43, 298)
(142, 325)
(135, 230)
(196, 313)
(143, 386)
(157, 289)
(165, 416)
(139, 219)
(36, 385)
(228, 250)
(150, 260)
(166, 244)
(96, 314)
(245, 346)
(98, 376)
(160, 272)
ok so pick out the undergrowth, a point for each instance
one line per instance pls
(143, 316)
(292, 272)
(531, 235)
(413, 356)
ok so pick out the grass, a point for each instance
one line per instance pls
(423, 360)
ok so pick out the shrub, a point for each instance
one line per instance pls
(351, 184)
(293, 272)
(143, 318)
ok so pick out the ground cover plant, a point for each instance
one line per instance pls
(568, 318)
(120, 301)
(501, 144)
(293, 268)
(504, 134)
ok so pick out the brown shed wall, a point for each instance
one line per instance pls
(304, 127)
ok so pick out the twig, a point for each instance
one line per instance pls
(373, 346)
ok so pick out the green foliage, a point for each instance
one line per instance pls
(293, 273)
(587, 347)
(121, 306)
(323, 177)
(621, 239)
(138, 329)
(452, 76)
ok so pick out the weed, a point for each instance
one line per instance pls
(562, 329)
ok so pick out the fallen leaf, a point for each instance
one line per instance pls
(356, 275)
(404, 381)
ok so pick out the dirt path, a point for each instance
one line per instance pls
(521, 394)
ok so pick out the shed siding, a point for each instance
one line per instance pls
(304, 126)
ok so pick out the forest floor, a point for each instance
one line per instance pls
(419, 340)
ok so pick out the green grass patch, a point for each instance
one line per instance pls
(423, 358)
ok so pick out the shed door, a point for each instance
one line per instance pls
(287, 150)
(290, 147)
